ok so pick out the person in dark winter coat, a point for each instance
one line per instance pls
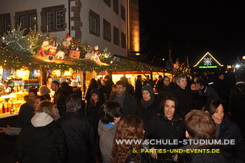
(183, 96)
(61, 93)
(147, 107)
(108, 86)
(138, 88)
(206, 92)
(102, 89)
(93, 107)
(126, 100)
(110, 115)
(226, 129)
(79, 133)
(92, 85)
(129, 87)
(165, 125)
(148, 81)
(159, 83)
(26, 110)
(200, 126)
(237, 102)
(220, 87)
(42, 141)
(165, 90)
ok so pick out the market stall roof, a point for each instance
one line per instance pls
(207, 62)
(40, 59)
(129, 64)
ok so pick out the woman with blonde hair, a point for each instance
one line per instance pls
(42, 140)
(129, 128)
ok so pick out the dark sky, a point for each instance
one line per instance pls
(193, 28)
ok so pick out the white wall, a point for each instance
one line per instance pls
(107, 13)
(98, 6)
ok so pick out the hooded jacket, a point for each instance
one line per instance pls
(107, 135)
(41, 141)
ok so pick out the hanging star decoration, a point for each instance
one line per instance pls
(207, 61)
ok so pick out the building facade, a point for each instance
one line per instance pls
(108, 23)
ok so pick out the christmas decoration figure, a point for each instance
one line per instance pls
(52, 50)
(60, 55)
(45, 47)
(94, 56)
(96, 50)
(66, 43)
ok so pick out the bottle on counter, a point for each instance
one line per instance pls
(6, 107)
(1, 108)
(10, 106)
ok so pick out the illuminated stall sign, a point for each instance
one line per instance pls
(208, 61)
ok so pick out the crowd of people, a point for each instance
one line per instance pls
(70, 129)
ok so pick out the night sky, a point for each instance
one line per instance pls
(193, 28)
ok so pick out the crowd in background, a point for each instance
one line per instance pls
(70, 129)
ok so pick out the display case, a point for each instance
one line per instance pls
(10, 104)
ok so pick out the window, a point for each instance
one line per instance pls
(115, 6)
(106, 30)
(5, 23)
(94, 23)
(116, 35)
(53, 18)
(32, 21)
(123, 40)
(49, 21)
(23, 22)
(59, 19)
(26, 20)
(123, 13)
(108, 2)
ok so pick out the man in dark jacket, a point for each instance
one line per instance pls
(183, 95)
(207, 91)
(79, 132)
(126, 100)
(61, 93)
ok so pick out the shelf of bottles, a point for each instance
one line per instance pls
(10, 104)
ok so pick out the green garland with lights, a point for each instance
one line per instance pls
(18, 49)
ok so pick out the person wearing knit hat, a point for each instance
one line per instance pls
(147, 107)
